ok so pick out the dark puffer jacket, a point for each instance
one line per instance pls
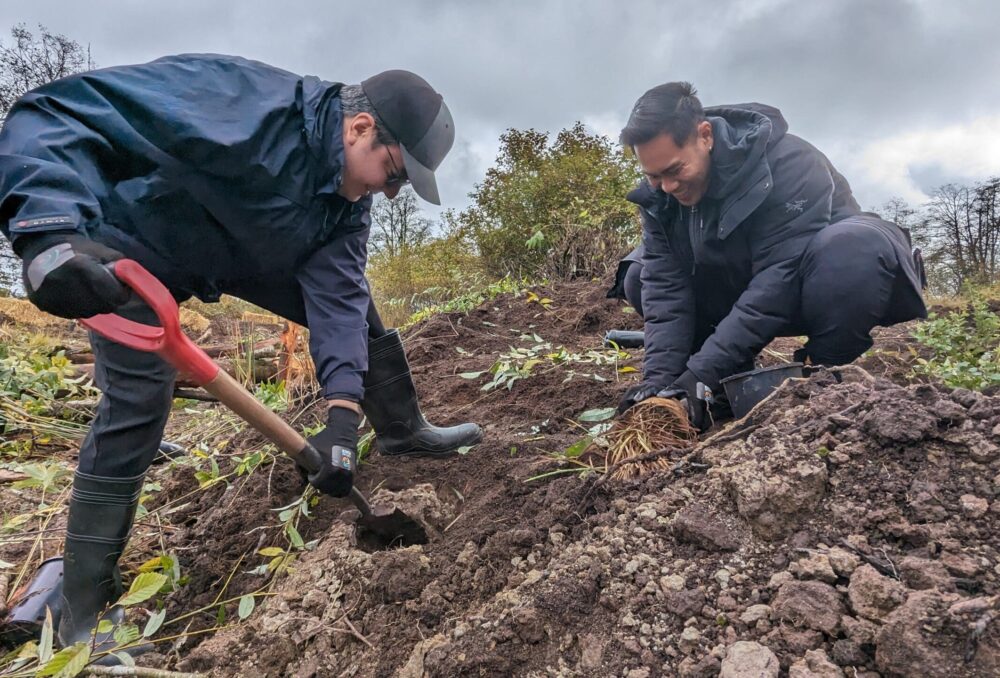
(728, 268)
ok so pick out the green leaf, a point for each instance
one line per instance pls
(27, 651)
(247, 604)
(271, 551)
(68, 662)
(577, 448)
(45, 641)
(294, 537)
(105, 626)
(536, 241)
(154, 623)
(126, 633)
(153, 564)
(125, 658)
(143, 588)
(601, 414)
(471, 375)
(220, 616)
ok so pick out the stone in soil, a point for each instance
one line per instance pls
(873, 595)
(747, 659)
(809, 604)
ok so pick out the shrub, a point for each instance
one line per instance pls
(964, 346)
(421, 276)
(554, 211)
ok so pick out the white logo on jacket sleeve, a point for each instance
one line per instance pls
(797, 206)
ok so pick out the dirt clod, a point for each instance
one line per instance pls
(873, 595)
(747, 659)
(809, 604)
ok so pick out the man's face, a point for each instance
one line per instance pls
(369, 167)
(680, 171)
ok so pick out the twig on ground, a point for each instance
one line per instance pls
(354, 632)
(138, 672)
(883, 566)
(728, 437)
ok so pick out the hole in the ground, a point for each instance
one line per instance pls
(388, 528)
(382, 540)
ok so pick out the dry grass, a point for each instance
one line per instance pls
(23, 312)
(654, 425)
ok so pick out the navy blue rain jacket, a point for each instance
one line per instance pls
(734, 260)
(209, 170)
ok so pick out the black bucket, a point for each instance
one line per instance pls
(746, 389)
(28, 604)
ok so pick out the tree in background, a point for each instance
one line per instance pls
(398, 224)
(958, 231)
(963, 225)
(554, 210)
(29, 62)
(421, 273)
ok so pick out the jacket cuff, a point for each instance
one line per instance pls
(703, 373)
(27, 244)
(341, 388)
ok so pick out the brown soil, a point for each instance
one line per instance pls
(848, 526)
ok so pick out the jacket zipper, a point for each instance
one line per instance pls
(695, 236)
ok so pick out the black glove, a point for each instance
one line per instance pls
(64, 274)
(685, 389)
(635, 395)
(337, 445)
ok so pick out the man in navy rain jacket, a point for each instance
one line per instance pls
(219, 175)
(749, 233)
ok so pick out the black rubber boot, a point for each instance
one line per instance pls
(100, 519)
(392, 408)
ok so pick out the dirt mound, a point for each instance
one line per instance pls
(849, 522)
(848, 527)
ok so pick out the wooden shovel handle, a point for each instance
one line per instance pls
(171, 344)
(242, 402)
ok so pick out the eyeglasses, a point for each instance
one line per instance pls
(397, 178)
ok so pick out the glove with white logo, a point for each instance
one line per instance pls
(65, 275)
(337, 445)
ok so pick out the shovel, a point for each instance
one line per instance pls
(389, 524)
(381, 526)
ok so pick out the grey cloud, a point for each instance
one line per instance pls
(844, 73)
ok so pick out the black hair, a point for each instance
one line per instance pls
(353, 100)
(671, 108)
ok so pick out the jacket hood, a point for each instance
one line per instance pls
(743, 135)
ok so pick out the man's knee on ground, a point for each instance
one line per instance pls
(633, 287)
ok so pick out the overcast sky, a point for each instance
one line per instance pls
(902, 95)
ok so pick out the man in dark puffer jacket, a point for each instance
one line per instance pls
(749, 233)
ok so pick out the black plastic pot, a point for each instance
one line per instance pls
(27, 605)
(746, 389)
(624, 339)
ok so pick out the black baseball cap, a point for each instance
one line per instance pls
(419, 119)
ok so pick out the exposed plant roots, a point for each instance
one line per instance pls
(654, 424)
